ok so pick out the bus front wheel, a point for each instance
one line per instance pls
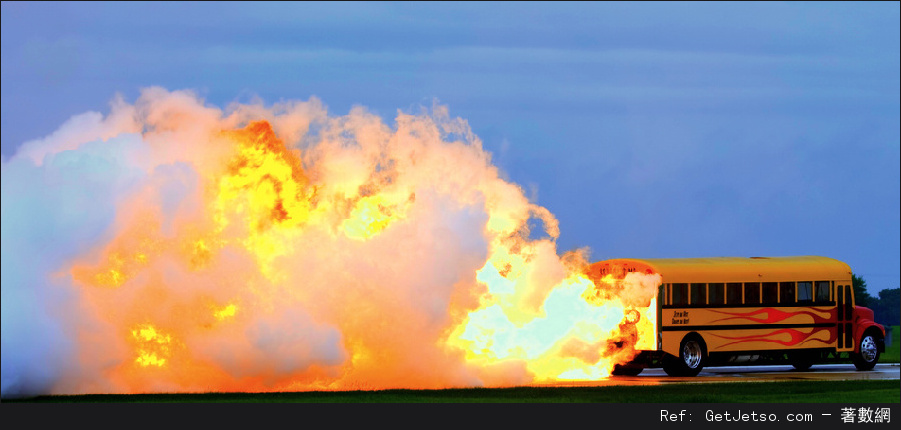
(869, 353)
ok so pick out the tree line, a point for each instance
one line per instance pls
(887, 307)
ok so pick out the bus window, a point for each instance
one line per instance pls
(849, 305)
(805, 291)
(752, 293)
(733, 293)
(840, 303)
(787, 292)
(680, 294)
(822, 291)
(698, 294)
(770, 293)
(717, 294)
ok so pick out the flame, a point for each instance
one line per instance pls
(152, 346)
(579, 335)
(354, 256)
(370, 216)
(226, 312)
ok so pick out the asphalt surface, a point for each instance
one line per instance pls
(821, 372)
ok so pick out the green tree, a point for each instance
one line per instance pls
(861, 296)
(887, 309)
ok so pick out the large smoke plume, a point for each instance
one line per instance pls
(175, 246)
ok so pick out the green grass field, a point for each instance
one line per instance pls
(877, 391)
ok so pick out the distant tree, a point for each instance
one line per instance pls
(861, 296)
(887, 309)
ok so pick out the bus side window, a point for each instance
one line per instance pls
(849, 305)
(752, 293)
(787, 292)
(822, 291)
(770, 293)
(839, 302)
(698, 294)
(717, 293)
(680, 294)
(805, 291)
(733, 293)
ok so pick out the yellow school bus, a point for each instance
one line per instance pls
(757, 310)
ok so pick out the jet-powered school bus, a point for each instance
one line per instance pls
(757, 310)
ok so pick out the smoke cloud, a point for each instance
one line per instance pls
(175, 246)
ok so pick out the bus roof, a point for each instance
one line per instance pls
(737, 269)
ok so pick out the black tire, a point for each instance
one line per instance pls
(626, 370)
(801, 360)
(868, 356)
(671, 365)
(692, 357)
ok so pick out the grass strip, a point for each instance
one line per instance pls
(863, 391)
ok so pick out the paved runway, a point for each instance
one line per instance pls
(821, 372)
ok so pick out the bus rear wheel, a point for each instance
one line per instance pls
(869, 353)
(626, 370)
(692, 354)
(801, 360)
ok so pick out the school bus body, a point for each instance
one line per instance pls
(723, 310)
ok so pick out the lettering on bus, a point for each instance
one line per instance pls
(680, 317)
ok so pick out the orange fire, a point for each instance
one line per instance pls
(368, 259)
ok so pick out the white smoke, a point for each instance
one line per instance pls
(131, 191)
(51, 212)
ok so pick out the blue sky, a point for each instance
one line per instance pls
(650, 130)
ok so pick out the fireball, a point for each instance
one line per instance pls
(284, 248)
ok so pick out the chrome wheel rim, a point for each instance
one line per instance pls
(691, 353)
(868, 348)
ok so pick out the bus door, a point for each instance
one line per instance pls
(844, 301)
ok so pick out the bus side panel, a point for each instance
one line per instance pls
(765, 339)
(762, 328)
(670, 340)
(762, 339)
(765, 315)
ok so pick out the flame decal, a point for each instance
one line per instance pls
(771, 315)
(796, 337)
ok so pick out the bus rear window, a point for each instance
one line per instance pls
(733, 293)
(698, 294)
(680, 294)
(717, 293)
(822, 291)
(787, 292)
(805, 291)
(770, 293)
(752, 293)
